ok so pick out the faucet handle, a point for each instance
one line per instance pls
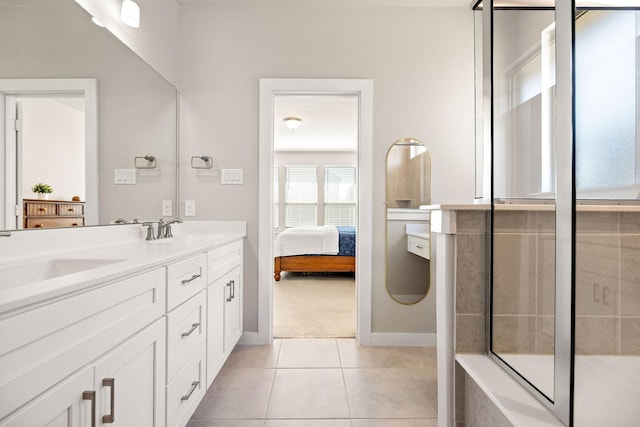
(161, 226)
(149, 226)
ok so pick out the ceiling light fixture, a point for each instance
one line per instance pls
(130, 13)
(292, 122)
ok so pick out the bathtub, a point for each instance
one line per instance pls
(607, 389)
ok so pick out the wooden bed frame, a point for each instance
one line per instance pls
(314, 264)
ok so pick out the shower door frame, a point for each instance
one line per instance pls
(562, 403)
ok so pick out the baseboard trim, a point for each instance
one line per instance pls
(403, 339)
(249, 338)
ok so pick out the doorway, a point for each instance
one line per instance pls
(269, 90)
(315, 210)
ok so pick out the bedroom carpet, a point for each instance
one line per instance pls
(314, 305)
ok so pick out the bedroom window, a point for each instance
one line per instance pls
(301, 196)
(340, 195)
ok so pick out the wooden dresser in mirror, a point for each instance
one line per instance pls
(52, 213)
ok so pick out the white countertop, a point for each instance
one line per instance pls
(132, 256)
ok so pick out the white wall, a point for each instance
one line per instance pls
(53, 147)
(421, 62)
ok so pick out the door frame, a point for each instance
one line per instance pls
(88, 89)
(269, 88)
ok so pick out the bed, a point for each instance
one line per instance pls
(322, 249)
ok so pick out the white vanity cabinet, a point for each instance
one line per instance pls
(88, 358)
(186, 337)
(224, 305)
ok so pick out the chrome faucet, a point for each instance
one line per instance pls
(167, 227)
(149, 226)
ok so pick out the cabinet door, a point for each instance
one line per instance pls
(65, 405)
(215, 328)
(233, 309)
(130, 381)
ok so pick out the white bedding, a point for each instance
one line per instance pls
(307, 240)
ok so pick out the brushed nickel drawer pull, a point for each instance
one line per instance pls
(91, 395)
(419, 247)
(233, 289)
(190, 331)
(194, 386)
(110, 382)
(194, 277)
(229, 299)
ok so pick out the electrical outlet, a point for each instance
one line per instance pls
(189, 208)
(167, 208)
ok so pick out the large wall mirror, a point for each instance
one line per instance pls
(408, 241)
(136, 118)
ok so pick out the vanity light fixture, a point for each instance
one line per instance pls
(130, 13)
(97, 22)
(292, 122)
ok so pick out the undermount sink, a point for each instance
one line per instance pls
(18, 275)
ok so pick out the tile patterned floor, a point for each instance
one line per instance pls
(322, 383)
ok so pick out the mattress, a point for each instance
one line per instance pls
(316, 240)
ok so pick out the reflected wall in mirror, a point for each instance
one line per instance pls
(136, 110)
(408, 239)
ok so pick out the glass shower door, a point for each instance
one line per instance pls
(524, 200)
(607, 244)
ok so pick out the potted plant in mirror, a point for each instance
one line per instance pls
(42, 190)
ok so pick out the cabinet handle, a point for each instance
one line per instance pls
(190, 331)
(70, 209)
(42, 209)
(91, 395)
(229, 299)
(233, 289)
(419, 247)
(194, 386)
(110, 382)
(194, 277)
(39, 226)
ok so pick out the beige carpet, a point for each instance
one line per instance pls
(314, 305)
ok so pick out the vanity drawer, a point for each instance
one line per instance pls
(186, 390)
(223, 259)
(185, 279)
(418, 246)
(186, 332)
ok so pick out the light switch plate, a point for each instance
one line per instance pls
(124, 176)
(231, 176)
(167, 208)
(189, 208)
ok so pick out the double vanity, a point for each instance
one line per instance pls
(100, 326)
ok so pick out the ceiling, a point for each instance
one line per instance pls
(329, 123)
(329, 3)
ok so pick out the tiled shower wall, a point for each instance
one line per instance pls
(471, 281)
(607, 282)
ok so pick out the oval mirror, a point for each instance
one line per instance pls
(408, 244)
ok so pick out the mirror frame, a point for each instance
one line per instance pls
(407, 140)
